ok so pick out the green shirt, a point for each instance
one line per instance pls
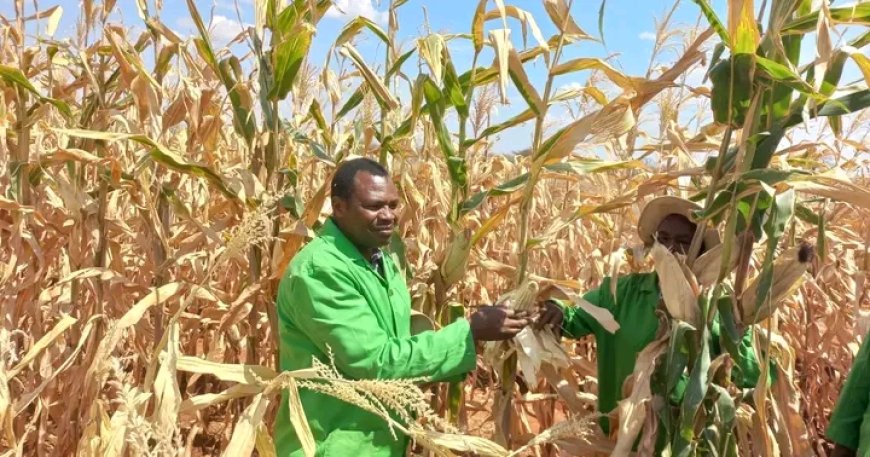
(638, 297)
(332, 299)
(850, 422)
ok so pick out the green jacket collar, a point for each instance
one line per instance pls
(333, 234)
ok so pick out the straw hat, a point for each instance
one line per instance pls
(661, 207)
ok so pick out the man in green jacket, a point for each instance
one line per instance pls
(638, 296)
(342, 296)
(849, 428)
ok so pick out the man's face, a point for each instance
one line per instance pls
(368, 217)
(675, 232)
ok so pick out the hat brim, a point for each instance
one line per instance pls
(661, 207)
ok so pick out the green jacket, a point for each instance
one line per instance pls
(634, 310)
(332, 299)
(850, 422)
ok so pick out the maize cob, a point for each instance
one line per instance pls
(456, 257)
(788, 274)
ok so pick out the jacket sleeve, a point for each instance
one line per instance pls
(327, 307)
(845, 426)
(578, 323)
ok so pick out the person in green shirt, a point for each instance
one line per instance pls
(638, 296)
(849, 428)
(341, 296)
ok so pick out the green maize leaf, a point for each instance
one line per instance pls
(317, 114)
(518, 75)
(523, 117)
(730, 336)
(778, 218)
(807, 215)
(15, 77)
(782, 93)
(857, 14)
(586, 166)
(159, 154)
(727, 412)
(677, 355)
(861, 41)
(782, 74)
(714, 21)
(436, 102)
(505, 188)
(380, 91)
(489, 74)
(243, 120)
(696, 390)
(452, 87)
(357, 97)
(732, 89)
(742, 27)
(355, 26)
(288, 58)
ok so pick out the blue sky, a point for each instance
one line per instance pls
(629, 28)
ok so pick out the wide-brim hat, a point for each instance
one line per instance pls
(661, 207)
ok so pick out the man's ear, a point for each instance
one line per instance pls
(339, 207)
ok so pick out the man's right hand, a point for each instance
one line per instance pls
(497, 323)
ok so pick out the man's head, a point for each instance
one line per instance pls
(675, 232)
(669, 220)
(364, 203)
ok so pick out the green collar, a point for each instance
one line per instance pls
(332, 233)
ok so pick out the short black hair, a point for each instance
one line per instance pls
(342, 181)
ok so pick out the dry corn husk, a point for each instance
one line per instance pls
(678, 286)
(456, 257)
(708, 265)
(788, 275)
(534, 347)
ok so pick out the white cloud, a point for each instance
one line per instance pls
(349, 9)
(648, 36)
(224, 29)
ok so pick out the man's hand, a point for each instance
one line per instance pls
(497, 323)
(551, 315)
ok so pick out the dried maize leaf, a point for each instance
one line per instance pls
(245, 433)
(244, 374)
(203, 401)
(65, 322)
(788, 275)
(708, 265)
(265, 445)
(678, 294)
(299, 420)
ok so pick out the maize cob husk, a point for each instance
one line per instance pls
(679, 290)
(788, 275)
(708, 265)
(456, 257)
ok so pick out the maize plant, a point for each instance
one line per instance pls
(155, 185)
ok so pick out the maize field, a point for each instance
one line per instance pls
(155, 186)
